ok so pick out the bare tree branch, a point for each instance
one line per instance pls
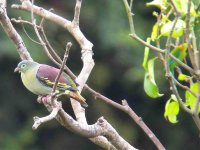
(12, 33)
(38, 121)
(79, 111)
(87, 67)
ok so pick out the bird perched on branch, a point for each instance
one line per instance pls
(40, 79)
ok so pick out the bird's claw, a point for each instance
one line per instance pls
(39, 99)
(44, 99)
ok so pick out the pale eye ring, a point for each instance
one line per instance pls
(23, 65)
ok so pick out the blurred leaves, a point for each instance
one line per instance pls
(178, 30)
(182, 77)
(19, 140)
(190, 98)
(158, 3)
(154, 33)
(150, 86)
(182, 6)
(172, 109)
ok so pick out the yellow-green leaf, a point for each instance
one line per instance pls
(154, 33)
(157, 3)
(172, 109)
(182, 77)
(146, 55)
(182, 7)
(190, 98)
(178, 30)
(150, 86)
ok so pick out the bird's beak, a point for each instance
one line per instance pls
(17, 69)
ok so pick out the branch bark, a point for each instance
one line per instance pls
(12, 33)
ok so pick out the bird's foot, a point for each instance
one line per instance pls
(44, 99)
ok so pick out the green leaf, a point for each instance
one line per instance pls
(182, 6)
(146, 55)
(157, 3)
(182, 77)
(178, 30)
(172, 109)
(190, 98)
(154, 33)
(150, 86)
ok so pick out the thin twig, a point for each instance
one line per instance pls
(130, 15)
(19, 20)
(193, 57)
(53, 94)
(186, 67)
(34, 41)
(134, 36)
(184, 87)
(50, 48)
(174, 7)
(69, 44)
(39, 37)
(43, 18)
(196, 51)
(77, 13)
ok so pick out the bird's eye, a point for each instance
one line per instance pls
(23, 65)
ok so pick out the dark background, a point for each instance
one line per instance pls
(118, 74)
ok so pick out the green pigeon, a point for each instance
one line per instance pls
(40, 78)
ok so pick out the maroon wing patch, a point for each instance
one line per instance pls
(47, 75)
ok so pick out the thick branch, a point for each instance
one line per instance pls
(38, 121)
(72, 28)
(77, 12)
(125, 108)
(101, 127)
(12, 33)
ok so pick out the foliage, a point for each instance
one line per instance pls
(177, 21)
(172, 109)
(150, 86)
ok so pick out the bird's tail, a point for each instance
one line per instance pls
(77, 96)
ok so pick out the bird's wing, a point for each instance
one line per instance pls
(47, 75)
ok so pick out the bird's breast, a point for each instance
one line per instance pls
(31, 82)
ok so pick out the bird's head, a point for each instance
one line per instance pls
(25, 65)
